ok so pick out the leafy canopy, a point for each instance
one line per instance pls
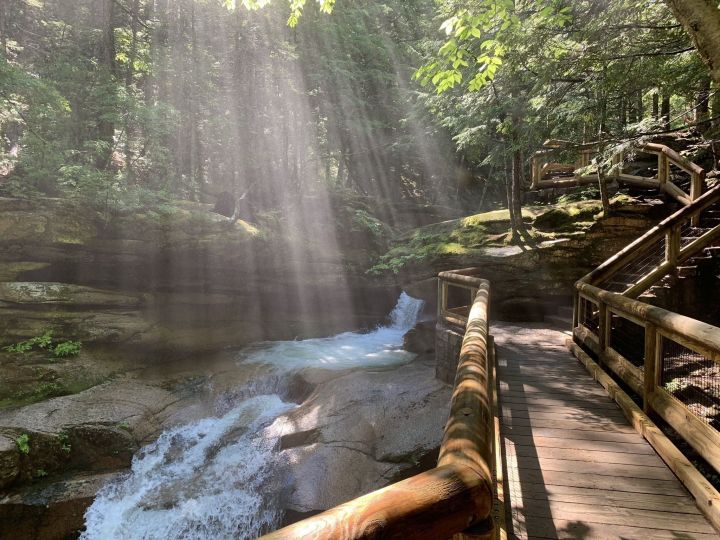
(478, 36)
(296, 7)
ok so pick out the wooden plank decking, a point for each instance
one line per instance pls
(574, 467)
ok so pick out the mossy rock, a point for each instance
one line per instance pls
(464, 241)
(568, 216)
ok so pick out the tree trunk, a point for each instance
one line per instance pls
(656, 106)
(701, 19)
(602, 104)
(702, 109)
(106, 56)
(602, 182)
(515, 234)
(129, 81)
(665, 111)
(517, 181)
(3, 29)
(340, 179)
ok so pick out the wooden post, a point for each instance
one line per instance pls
(603, 326)
(663, 170)
(442, 297)
(651, 365)
(696, 191)
(672, 245)
(576, 309)
(535, 173)
(695, 186)
(617, 161)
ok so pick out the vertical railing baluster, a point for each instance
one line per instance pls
(576, 309)
(650, 365)
(662, 170)
(672, 245)
(603, 326)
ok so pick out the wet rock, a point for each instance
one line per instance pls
(360, 431)
(179, 276)
(97, 429)
(9, 461)
(50, 510)
(21, 226)
(61, 293)
(421, 339)
(300, 438)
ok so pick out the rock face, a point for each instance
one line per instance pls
(354, 431)
(179, 277)
(98, 429)
(359, 432)
(569, 241)
(52, 511)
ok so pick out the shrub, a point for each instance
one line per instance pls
(23, 443)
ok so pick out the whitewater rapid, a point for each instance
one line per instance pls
(213, 478)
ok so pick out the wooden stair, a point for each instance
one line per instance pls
(685, 245)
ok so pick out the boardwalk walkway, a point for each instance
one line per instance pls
(574, 467)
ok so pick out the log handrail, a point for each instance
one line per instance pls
(647, 380)
(455, 496)
(669, 225)
(598, 316)
(686, 329)
(666, 157)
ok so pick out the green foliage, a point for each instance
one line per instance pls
(67, 348)
(362, 221)
(64, 440)
(478, 37)
(296, 7)
(582, 193)
(40, 473)
(23, 443)
(45, 342)
(676, 385)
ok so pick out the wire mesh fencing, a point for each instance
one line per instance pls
(589, 314)
(692, 379)
(651, 256)
(628, 339)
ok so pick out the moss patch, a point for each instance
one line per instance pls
(468, 237)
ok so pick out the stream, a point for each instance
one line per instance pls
(215, 478)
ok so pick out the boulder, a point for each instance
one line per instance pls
(360, 431)
(421, 339)
(50, 510)
(9, 461)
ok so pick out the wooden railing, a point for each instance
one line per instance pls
(541, 168)
(671, 361)
(655, 351)
(666, 156)
(666, 237)
(457, 495)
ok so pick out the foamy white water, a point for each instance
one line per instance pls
(381, 347)
(214, 478)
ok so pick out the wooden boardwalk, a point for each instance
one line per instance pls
(574, 467)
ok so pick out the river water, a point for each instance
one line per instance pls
(214, 478)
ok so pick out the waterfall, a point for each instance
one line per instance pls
(214, 478)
